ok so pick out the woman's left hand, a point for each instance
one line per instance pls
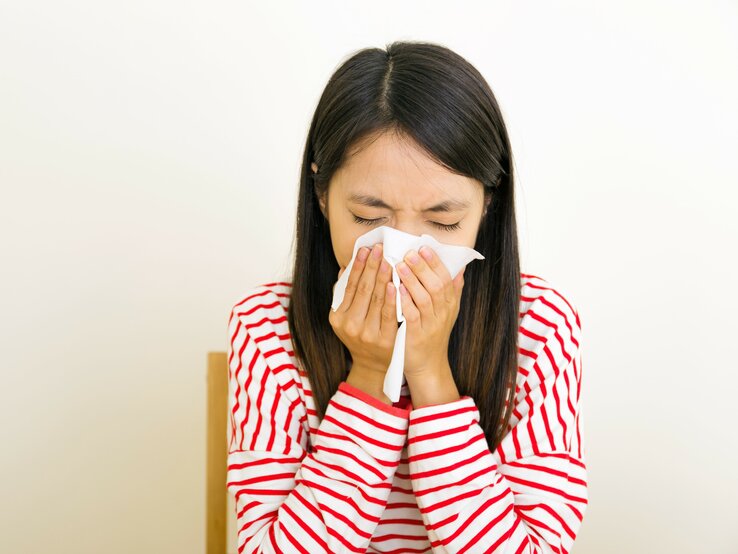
(430, 305)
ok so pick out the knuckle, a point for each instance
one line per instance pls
(365, 287)
(377, 297)
(351, 329)
(435, 288)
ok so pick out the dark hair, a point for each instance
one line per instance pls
(430, 94)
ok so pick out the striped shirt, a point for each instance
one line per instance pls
(370, 477)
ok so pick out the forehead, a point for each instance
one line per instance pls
(399, 172)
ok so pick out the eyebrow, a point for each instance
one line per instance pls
(445, 206)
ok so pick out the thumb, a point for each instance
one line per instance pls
(459, 279)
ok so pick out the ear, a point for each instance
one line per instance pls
(321, 203)
(320, 197)
(487, 200)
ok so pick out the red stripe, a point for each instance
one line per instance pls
(345, 454)
(531, 413)
(442, 415)
(446, 469)
(299, 519)
(350, 501)
(293, 541)
(389, 429)
(259, 398)
(438, 434)
(484, 470)
(362, 436)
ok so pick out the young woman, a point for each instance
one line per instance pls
(483, 452)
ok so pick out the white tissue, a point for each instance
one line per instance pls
(396, 244)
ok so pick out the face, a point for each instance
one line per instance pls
(393, 182)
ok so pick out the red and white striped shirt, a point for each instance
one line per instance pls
(370, 477)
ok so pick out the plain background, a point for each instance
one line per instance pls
(149, 158)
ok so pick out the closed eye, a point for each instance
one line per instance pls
(363, 221)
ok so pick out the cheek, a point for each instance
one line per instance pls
(346, 248)
(343, 237)
(344, 256)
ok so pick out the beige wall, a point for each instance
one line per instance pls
(149, 154)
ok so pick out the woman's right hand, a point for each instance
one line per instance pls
(366, 320)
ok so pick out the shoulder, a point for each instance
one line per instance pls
(546, 296)
(258, 323)
(550, 329)
(261, 300)
(259, 309)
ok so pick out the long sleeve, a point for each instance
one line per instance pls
(290, 497)
(530, 495)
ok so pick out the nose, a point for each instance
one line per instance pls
(410, 228)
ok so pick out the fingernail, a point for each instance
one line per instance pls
(426, 253)
(377, 252)
(402, 268)
(413, 257)
(363, 254)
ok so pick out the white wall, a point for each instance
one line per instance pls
(149, 155)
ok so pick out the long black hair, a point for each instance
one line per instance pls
(432, 95)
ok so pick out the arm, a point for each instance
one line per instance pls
(289, 500)
(531, 494)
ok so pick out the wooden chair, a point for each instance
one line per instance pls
(217, 453)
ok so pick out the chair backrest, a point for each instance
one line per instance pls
(217, 453)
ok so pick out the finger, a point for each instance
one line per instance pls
(409, 309)
(420, 296)
(365, 286)
(434, 275)
(459, 281)
(374, 313)
(388, 325)
(355, 270)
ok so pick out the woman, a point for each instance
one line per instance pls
(320, 460)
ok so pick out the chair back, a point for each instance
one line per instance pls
(216, 524)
